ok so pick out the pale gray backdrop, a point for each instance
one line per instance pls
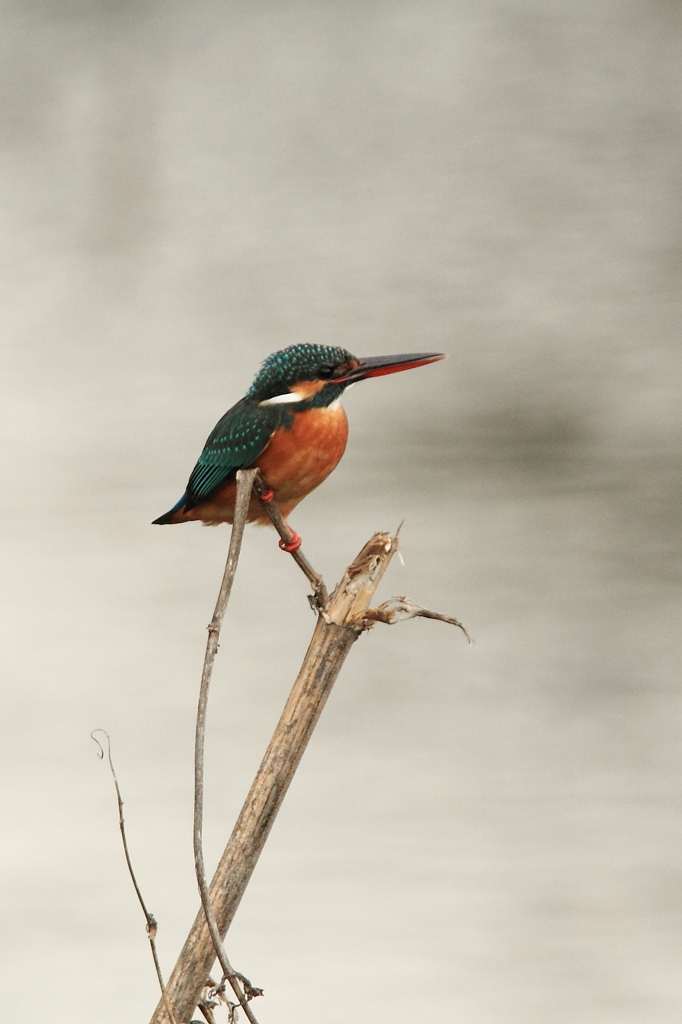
(488, 835)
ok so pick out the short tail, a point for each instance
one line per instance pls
(169, 517)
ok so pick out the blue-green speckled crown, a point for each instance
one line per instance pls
(290, 365)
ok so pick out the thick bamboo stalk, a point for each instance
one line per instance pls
(338, 627)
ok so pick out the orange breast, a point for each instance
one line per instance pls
(297, 460)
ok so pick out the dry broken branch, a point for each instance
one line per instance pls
(341, 620)
(335, 632)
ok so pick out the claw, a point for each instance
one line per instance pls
(267, 496)
(294, 544)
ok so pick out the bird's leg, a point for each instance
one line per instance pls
(293, 544)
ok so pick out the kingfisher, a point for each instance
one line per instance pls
(290, 425)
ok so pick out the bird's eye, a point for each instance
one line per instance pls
(325, 372)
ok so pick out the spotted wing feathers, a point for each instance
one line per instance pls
(235, 443)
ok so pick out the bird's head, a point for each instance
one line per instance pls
(317, 375)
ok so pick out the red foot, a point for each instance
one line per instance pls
(268, 496)
(294, 544)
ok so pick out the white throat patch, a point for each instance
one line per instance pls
(289, 396)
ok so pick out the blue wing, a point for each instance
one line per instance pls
(235, 443)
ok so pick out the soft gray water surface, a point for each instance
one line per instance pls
(485, 835)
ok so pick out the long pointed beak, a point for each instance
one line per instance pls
(377, 366)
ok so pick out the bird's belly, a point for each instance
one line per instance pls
(297, 460)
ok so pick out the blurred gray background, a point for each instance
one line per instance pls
(488, 834)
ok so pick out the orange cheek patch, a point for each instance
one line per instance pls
(308, 388)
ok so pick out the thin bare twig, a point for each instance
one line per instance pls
(321, 597)
(245, 480)
(152, 926)
(398, 608)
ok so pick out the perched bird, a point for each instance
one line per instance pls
(290, 424)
